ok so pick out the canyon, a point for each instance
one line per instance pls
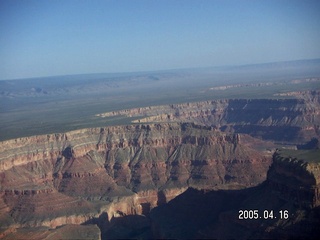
(286, 120)
(158, 177)
(70, 178)
(292, 185)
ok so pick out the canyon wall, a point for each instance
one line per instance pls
(98, 175)
(75, 177)
(288, 120)
(286, 204)
(294, 177)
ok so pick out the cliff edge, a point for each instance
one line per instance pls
(98, 174)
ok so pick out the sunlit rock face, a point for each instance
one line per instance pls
(286, 204)
(288, 120)
(76, 177)
(129, 157)
(70, 231)
(104, 176)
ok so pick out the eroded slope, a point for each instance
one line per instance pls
(287, 204)
(79, 176)
(287, 120)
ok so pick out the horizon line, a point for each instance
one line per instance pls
(163, 70)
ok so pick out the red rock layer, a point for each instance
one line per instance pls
(70, 178)
(274, 119)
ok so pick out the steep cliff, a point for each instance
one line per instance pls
(289, 120)
(286, 204)
(76, 177)
(104, 175)
(295, 176)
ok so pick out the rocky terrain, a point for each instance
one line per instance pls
(159, 179)
(263, 84)
(284, 120)
(73, 178)
(44, 105)
(292, 185)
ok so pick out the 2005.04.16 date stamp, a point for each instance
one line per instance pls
(266, 214)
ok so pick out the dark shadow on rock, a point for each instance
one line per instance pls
(128, 227)
(201, 214)
(124, 227)
(68, 152)
(275, 133)
(312, 144)
(184, 216)
(102, 222)
(307, 228)
(161, 198)
(146, 207)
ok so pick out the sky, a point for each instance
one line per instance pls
(58, 37)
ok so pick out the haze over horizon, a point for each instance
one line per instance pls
(49, 38)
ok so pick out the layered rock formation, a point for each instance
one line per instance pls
(288, 120)
(80, 176)
(105, 176)
(71, 231)
(287, 204)
(295, 176)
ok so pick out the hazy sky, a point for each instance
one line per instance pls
(44, 38)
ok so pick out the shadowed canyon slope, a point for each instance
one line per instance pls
(35, 106)
(125, 179)
(286, 120)
(51, 180)
(292, 185)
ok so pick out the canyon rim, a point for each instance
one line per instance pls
(122, 181)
